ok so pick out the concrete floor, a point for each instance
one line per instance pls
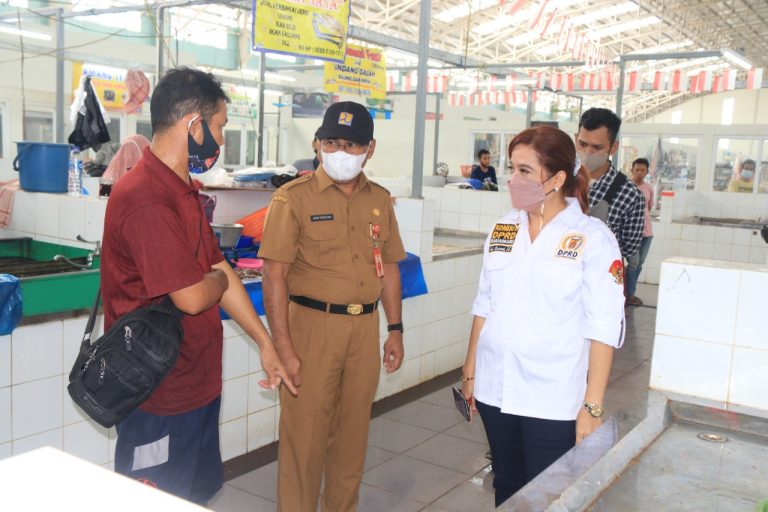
(424, 457)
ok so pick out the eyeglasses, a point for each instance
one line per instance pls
(333, 145)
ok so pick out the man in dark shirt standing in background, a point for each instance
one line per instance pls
(484, 170)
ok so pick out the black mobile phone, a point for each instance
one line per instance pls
(461, 404)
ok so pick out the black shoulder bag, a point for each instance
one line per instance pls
(115, 374)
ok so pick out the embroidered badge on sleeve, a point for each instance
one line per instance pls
(617, 271)
(503, 237)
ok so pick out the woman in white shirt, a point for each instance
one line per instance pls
(548, 314)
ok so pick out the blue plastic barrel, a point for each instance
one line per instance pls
(42, 166)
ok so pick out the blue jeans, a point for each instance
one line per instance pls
(635, 265)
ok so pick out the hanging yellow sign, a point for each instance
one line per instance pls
(108, 83)
(363, 72)
(311, 28)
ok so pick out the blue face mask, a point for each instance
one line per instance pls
(202, 157)
(747, 175)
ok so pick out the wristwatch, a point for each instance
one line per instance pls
(395, 327)
(594, 410)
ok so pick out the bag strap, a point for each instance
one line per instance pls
(613, 190)
(91, 321)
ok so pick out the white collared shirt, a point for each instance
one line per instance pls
(543, 302)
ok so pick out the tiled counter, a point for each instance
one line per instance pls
(711, 339)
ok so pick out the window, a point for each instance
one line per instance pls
(250, 148)
(673, 160)
(144, 128)
(232, 148)
(113, 127)
(495, 142)
(736, 165)
(38, 127)
(762, 184)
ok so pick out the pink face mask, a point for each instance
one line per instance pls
(527, 194)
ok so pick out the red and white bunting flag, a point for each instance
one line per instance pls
(693, 84)
(540, 80)
(562, 31)
(524, 96)
(514, 6)
(567, 39)
(578, 46)
(592, 85)
(755, 78)
(706, 83)
(492, 83)
(452, 100)
(700, 82)
(716, 84)
(549, 22)
(407, 83)
(390, 83)
(569, 82)
(510, 82)
(540, 12)
(583, 82)
(462, 100)
(677, 78)
(730, 80)
(609, 80)
(657, 79)
(632, 85)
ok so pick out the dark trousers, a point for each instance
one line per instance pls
(522, 447)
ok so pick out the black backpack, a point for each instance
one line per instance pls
(120, 370)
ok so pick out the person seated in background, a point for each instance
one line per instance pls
(484, 170)
(308, 164)
(638, 173)
(743, 179)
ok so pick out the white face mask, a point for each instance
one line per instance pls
(593, 161)
(342, 166)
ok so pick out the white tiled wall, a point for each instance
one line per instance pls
(710, 331)
(467, 210)
(35, 409)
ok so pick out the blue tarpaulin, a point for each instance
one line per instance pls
(411, 276)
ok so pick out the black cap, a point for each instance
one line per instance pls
(347, 120)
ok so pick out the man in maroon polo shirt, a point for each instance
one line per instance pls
(157, 242)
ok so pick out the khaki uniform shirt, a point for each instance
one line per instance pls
(326, 237)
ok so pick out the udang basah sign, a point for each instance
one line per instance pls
(363, 72)
(311, 28)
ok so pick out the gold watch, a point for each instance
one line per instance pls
(594, 410)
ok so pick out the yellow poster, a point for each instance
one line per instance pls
(363, 72)
(312, 28)
(107, 82)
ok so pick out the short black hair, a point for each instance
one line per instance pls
(482, 152)
(594, 118)
(641, 161)
(182, 91)
(748, 161)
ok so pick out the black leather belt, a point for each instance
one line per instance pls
(336, 309)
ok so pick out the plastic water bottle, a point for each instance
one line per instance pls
(75, 177)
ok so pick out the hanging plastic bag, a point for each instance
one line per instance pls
(11, 303)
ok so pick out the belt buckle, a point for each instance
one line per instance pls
(354, 309)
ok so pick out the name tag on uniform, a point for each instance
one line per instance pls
(322, 217)
(503, 237)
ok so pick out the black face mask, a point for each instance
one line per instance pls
(202, 157)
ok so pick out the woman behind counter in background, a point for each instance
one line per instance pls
(549, 312)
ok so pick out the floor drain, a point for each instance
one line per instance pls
(712, 438)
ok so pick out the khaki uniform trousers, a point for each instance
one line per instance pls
(325, 428)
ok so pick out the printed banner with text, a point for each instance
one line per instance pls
(108, 83)
(364, 72)
(311, 28)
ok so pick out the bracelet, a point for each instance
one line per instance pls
(466, 379)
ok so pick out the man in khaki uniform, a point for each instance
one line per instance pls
(330, 247)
